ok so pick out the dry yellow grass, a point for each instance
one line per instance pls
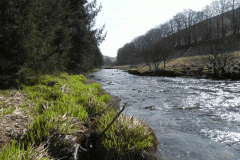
(16, 122)
(192, 62)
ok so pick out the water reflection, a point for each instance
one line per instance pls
(193, 118)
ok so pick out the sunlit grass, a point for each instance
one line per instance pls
(192, 62)
(126, 134)
(14, 152)
(51, 106)
(52, 109)
(17, 151)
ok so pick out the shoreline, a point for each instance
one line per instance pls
(193, 74)
(157, 155)
(90, 124)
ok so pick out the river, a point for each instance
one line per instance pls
(192, 118)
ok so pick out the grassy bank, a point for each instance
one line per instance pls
(188, 67)
(125, 67)
(65, 119)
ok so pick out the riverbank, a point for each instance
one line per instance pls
(188, 67)
(66, 116)
(197, 73)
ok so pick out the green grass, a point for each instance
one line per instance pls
(50, 120)
(125, 134)
(14, 152)
(53, 109)
(24, 107)
(180, 64)
(17, 151)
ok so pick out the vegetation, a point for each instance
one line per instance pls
(126, 134)
(194, 67)
(217, 24)
(53, 115)
(45, 37)
(108, 61)
(49, 115)
(219, 57)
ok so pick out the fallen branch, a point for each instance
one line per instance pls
(75, 152)
(113, 120)
(92, 138)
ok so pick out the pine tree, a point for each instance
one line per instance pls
(46, 36)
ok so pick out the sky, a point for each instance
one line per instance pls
(128, 19)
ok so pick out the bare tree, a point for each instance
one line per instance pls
(187, 19)
(219, 56)
(220, 8)
(173, 30)
(237, 11)
(198, 26)
(166, 52)
(160, 53)
(141, 45)
(165, 30)
(233, 6)
(207, 30)
(189, 27)
(179, 25)
(126, 54)
(152, 51)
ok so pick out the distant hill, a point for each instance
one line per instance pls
(113, 59)
(188, 40)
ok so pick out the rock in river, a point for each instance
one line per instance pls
(150, 107)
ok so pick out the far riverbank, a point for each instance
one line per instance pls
(186, 67)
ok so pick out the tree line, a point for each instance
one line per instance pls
(216, 23)
(47, 36)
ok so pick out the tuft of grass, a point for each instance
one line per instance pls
(126, 134)
(14, 151)
(10, 110)
(24, 107)
(17, 151)
(43, 126)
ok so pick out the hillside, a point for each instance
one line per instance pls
(198, 50)
(109, 61)
(186, 34)
(113, 59)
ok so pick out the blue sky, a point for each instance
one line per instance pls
(127, 19)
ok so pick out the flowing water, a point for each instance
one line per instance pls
(192, 118)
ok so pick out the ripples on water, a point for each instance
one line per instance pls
(208, 110)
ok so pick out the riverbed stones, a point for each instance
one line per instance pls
(110, 83)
